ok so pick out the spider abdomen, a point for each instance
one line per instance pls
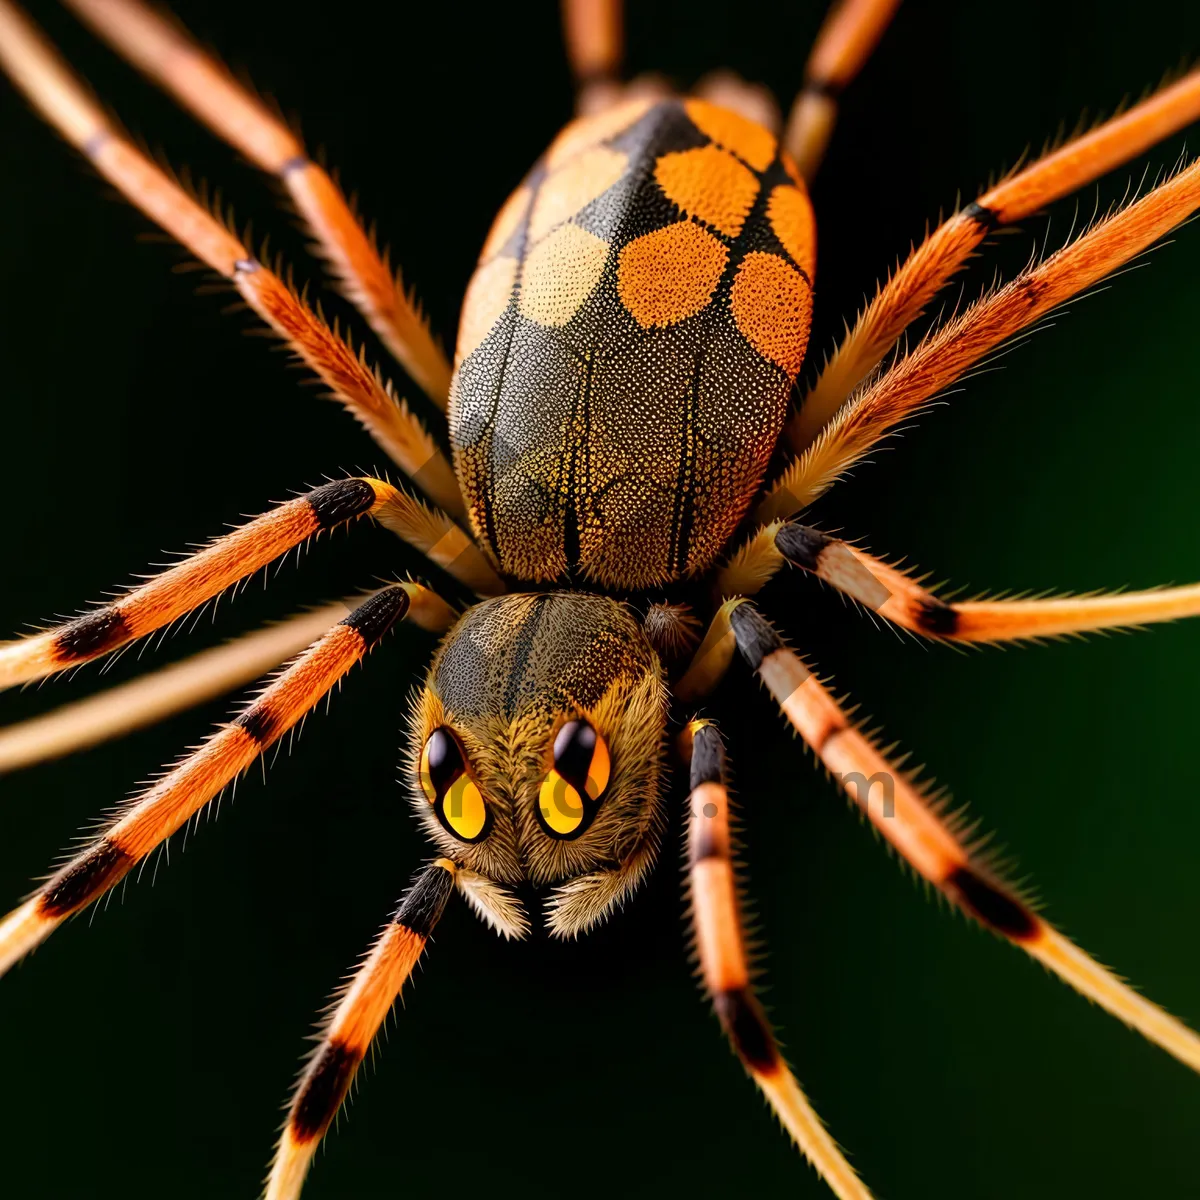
(628, 345)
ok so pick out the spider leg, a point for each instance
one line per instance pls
(164, 51)
(717, 923)
(845, 42)
(903, 298)
(930, 845)
(362, 1007)
(711, 659)
(179, 686)
(595, 37)
(164, 598)
(152, 817)
(117, 711)
(64, 101)
(947, 353)
(896, 595)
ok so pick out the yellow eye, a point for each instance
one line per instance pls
(463, 809)
(560, 805)
(448, 787)
(567, 799)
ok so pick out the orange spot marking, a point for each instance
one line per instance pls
(573, 186)
(791, 215)
(487, 297)
(772, 307)
(561, 272)
(591, 131)
(670, 274)
(745, 138)
(710, 184)
(510, 216)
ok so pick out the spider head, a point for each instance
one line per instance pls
(535, 755)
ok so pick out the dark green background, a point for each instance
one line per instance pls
(147, 1054)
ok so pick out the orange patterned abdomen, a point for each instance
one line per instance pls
(628, 345)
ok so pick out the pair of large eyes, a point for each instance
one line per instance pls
(567, 799)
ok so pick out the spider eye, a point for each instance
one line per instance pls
(568, 797)
(455, 797)
(581, 758)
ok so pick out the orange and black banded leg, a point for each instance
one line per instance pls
(899, 597)
(66, 103)
(717, 923)
(164, 51)
(361, 1010)
(159, 694)
(941, 358)
(595, 37)
(762, 555)
(141, 702)
(850, 33)
(924, 839)
(904, 297)
(151, 818)
(166, 597)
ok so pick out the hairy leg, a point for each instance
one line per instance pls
(207, 573)
(916, 829)
(151, 818)
(721, 945)
(950, 351)
(849, 35)
(361, 1008)
(65, 102)
(903, 298)
(162, 49)
(895, 594)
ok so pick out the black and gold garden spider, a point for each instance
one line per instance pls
(628, 346)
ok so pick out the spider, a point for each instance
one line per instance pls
(627, 471)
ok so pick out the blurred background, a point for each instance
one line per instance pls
(146, 1049)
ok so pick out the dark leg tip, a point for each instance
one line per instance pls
(991, 905)
(81, 881)
(755, 637)
(323, 1090)
(88, 636)
(747, 1028)
(801, 545)
(374, 618)
(708, 756)
(340, 501)
(422, 906)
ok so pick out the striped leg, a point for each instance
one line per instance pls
(896, 595)
(154, 697)
(165, 52)
(65, 102)
(595, 37)
(173, 689)
(903, 298)
(946, 354)
(717, 921)
(150, 819)
(920, 835)
(362, 1007)
(237, 555)
(851, 31)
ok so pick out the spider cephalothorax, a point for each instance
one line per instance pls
(555, 707)
(629, 341)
